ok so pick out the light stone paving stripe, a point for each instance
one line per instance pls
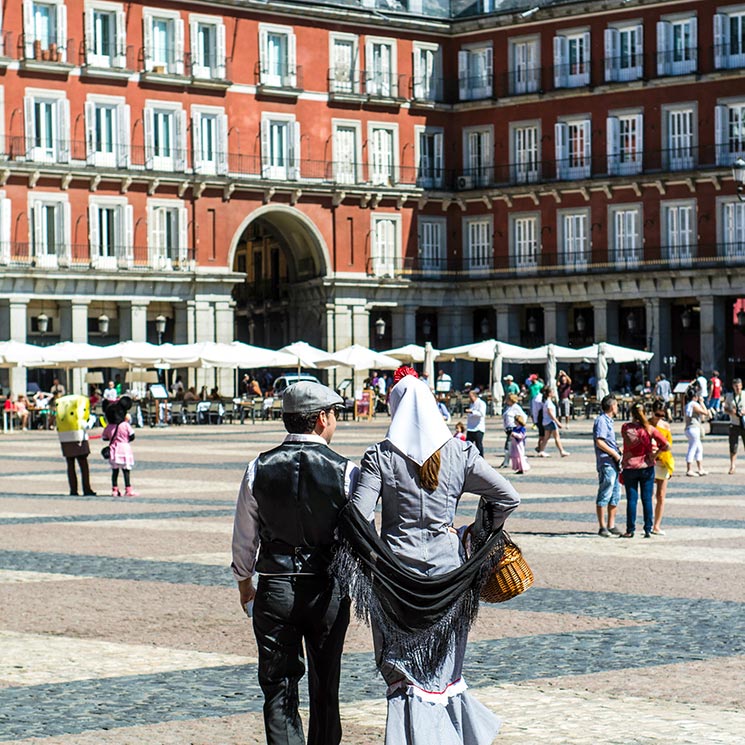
(12, 577)
(214, 559)
(37, 659)
(179, 525)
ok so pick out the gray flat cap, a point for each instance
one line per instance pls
(306, 397)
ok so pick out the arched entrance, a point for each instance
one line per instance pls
(283, 258)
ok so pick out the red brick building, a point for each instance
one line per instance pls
(289, 170)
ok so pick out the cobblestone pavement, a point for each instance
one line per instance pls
(120, 622)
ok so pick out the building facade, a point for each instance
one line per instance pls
(267, 172)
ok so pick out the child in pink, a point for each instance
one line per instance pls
(518, 461)
(460, 431)
(119, 434)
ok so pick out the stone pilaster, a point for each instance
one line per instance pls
(713, 323)
(18, 323)
(658, 333)
(508, 323)
(403, 319)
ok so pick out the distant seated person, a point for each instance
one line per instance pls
(42, 400)
(444, 382)
(191, 395)
(57, 389)
(215, 394)
(110, 393)
(177, 388)
(22, 410)
(254, 389)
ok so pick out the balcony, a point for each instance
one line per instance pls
(110, 63)
(78, 257)
(345, 85)
(384, 89)
(211, 73)
(603, 260)
(52, 58)
(162, 67)
(279, 81)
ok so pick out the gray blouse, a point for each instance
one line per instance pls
(416, 522)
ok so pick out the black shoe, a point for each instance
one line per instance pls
(647, 534)
(626, 535)
(615, 531)
(90, 493)
(604, 532)
(74, 493)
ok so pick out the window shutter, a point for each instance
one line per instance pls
(639, 37)
(28, 28)
(183, 236)
(265, 154)
(147, 41)
(94, 240)
(561, 72)
(178, 47)
(612, 144)
(5, 223)
(152, 235)
(220, 46)
(663, 48)
(463, 81)
(721, 134)
(693, 23)
(560, 141)
(489, 70)
(263, 56)
(196, 143)
(121, 39)
(64, 222)
(195, 48)
(180, 144)
(148, 126)
(38, 226)
(291, 79)
(488, 151)
(89, 33)
(611, 54)
(62, 31)
(222, 144)
(721, 40)
(587, 51)
(28, 106)
(639, 141)
(126, 254)
(63, 130)
(587, 153)
(419, 86)
(90, 131)
(123, 117)
(438, 156)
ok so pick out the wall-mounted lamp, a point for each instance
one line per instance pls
(160, 327)
(580, 323)
(426, 328)
(485, 326)
(42, 323)
(532, 325)
(631, 321)
(380, 328)
(103, 324)
(685, 319)
(738, 174)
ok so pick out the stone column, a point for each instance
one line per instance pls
(360, 335)
(79, 333)
(403, 331)
(224, 333)
(555, 324)
(18, 323)
(658, 334)
(138, 320)
(508, 324)
(713, 323)
(343, 334)
(455, 327)
(204, 330)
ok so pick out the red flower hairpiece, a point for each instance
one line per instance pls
(402, 372)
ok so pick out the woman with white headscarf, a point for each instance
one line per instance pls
(413, 582)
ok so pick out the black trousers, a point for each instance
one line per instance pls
(477, 438)
(290, 611)
(72, 477)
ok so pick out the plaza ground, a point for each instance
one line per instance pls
(120, 621)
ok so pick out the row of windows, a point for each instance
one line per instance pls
(575, 234)
(45, 33)
(108, 127)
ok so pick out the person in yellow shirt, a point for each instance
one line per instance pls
(664, 464)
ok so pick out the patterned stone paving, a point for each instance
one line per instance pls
(120, 622)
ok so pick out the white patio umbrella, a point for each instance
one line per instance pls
(306, 354)
(19, 354)
(485, 351)
(550, 365)
(359, 358)
(601, 372)
(236, 354)
(411, 353)
(429, 365)
(615, 353)
(497, 389)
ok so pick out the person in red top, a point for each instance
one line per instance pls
(641, 443)
(715, 392)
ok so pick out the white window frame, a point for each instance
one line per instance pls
(269, 168)
(376, 84)
(286, 77)
(478, 172)
(60, 27)
(525, 65)
(176, 161)
(671, 58)
(613, 58)
(383, 252)
(5, 228)
(343, 78)
(478, 256)
(525, 170)
(575, 248)
(174, 62)
(679, 151)
(678, 230)
(729, 148)
(59, 150)
(117, 57)
(429, 175)
(380, 173)
(427, 84)
(123, 254)
(626, 253)
(523, 257)
(213, 69)
(724, 55)
(120, 154)
(566, 75)
(474, 87)
(218, 166)
(573, 162)
(63, 226)
(731, 228)
(621, 162)
(347, 172)
(159, 254)
(432, 245)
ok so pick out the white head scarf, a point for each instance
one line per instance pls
(417, 428)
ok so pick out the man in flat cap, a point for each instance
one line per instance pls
(288, 507)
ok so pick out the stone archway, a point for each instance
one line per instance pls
(283, 258)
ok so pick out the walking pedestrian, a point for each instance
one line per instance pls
(695, 413)
(519, 434)
(734, 405)
(476, 420)
(564, 391)
(715, 393)
(608, 463)
(511, 411)
(119, 433)
(551, 425)
(288, 508)
(664, 464)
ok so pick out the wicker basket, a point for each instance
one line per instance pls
(511, 577)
